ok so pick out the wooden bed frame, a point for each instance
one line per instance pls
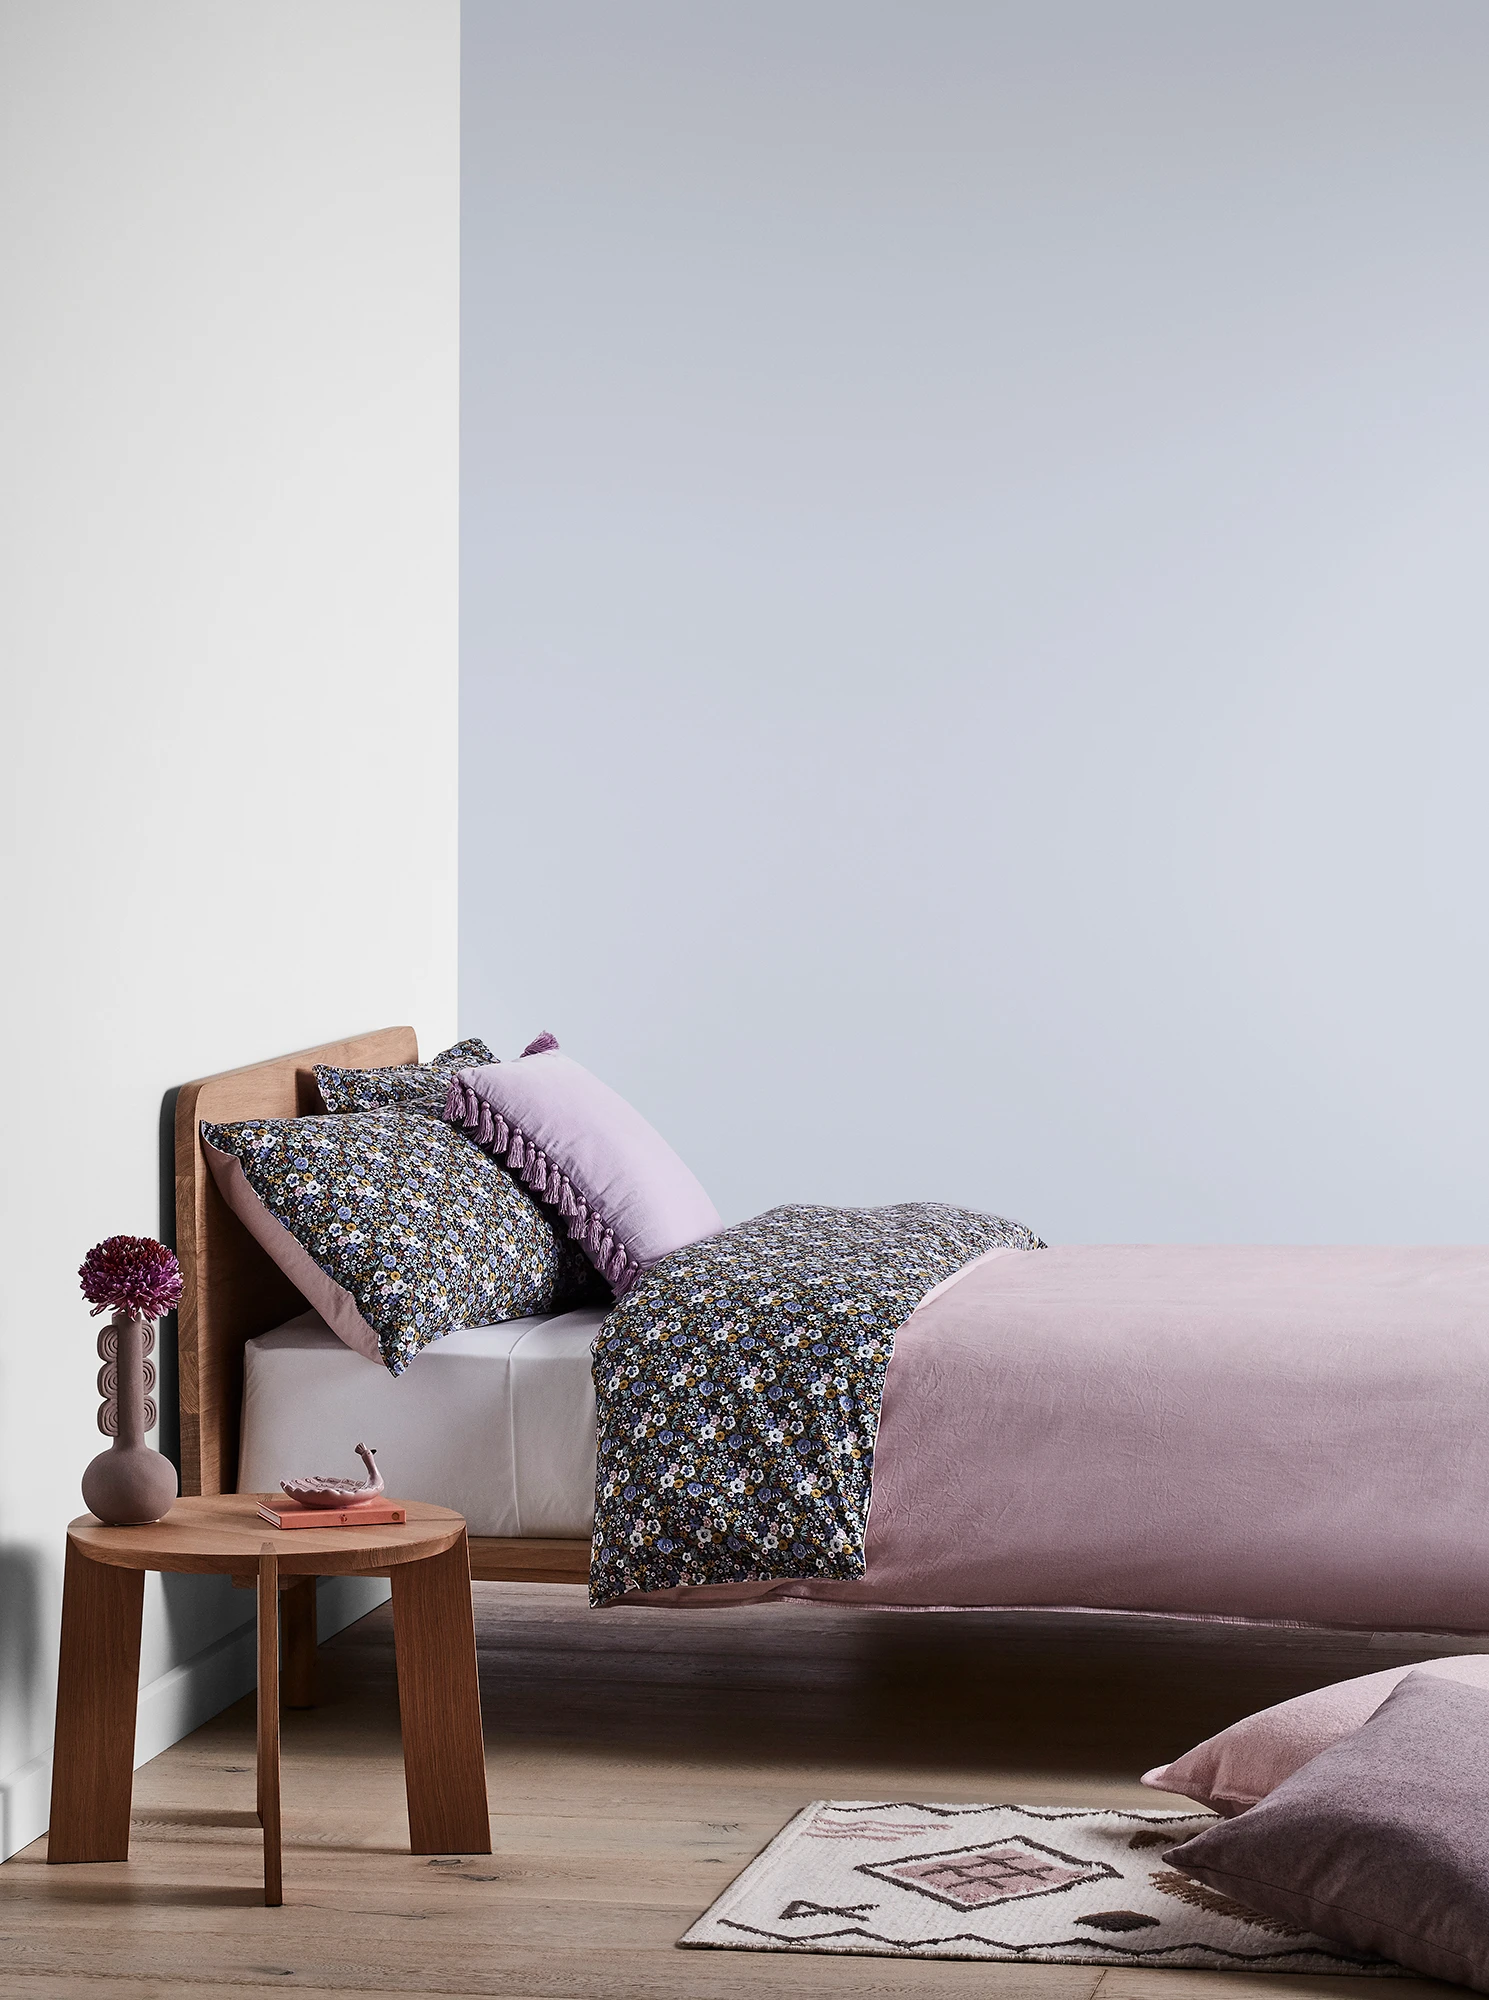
(233, 1291)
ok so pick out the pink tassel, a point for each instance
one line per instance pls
(542, 1045)
(515, 1153)
(485, 1131)
(454, 1102)
(567, 1207)
(537, 1173)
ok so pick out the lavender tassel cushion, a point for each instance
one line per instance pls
(617, 1186)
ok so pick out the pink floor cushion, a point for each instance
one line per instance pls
(618, 1187)
(1231, 1771)
(1380, 1842)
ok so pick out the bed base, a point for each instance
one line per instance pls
(232, 1291)
(515, 1559)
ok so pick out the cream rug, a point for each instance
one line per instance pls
(1041, 1885)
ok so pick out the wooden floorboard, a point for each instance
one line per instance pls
(636, 1760)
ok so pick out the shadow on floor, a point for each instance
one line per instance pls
(956, 1692)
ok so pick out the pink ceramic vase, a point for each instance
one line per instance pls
(129, 1483)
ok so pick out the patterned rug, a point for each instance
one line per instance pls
(1038, 1885)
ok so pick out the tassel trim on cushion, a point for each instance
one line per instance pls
(491, 1132)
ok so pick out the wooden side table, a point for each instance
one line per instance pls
(434, 1634)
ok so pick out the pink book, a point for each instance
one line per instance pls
(372, 1514)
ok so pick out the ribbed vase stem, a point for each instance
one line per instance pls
(131, 1365)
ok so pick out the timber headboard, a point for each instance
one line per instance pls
(231, 1290)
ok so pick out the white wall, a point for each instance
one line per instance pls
(228, 344)
(975, 610)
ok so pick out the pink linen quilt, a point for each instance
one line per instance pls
(1281, 1434)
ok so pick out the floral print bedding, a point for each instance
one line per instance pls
(420, 1227)
(410, 1086)
(738, 1386)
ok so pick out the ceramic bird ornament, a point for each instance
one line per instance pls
(321, 1490)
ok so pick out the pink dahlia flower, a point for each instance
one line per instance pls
(132, 1274)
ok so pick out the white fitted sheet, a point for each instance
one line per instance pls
(495, 1421)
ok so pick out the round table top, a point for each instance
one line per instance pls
(224, 1534)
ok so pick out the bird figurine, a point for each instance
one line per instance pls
(321, 1490)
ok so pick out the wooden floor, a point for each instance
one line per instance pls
(637, 1760)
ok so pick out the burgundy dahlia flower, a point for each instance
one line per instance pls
(132, 1274)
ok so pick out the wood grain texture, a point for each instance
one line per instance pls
(221, 1534)
(231, 1289)
(97, 1688)
(298, 1642)
(528, 1559)
(439, 1703)
(268, 1725)
(637, 1760)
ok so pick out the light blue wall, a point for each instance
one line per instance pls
(976, 619)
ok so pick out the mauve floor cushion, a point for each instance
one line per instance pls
(1231, 1771)
(1381, 1842)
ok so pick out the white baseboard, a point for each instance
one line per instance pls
(25, 1798)
(180, 1700)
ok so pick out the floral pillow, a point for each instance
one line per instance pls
(412, 1086)
(394, 1226)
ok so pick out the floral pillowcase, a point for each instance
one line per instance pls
(394, 1226)
(411, 1086)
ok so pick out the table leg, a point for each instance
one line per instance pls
(97, 1690)
(439, 1702)
(297, 1621)
(268, 1724)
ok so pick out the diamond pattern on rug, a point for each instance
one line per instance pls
(975, 1878)
(1033, 1885)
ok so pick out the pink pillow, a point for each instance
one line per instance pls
(1231, 1771)
(623, 1194)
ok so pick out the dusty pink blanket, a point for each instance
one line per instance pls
(1294, 1434)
